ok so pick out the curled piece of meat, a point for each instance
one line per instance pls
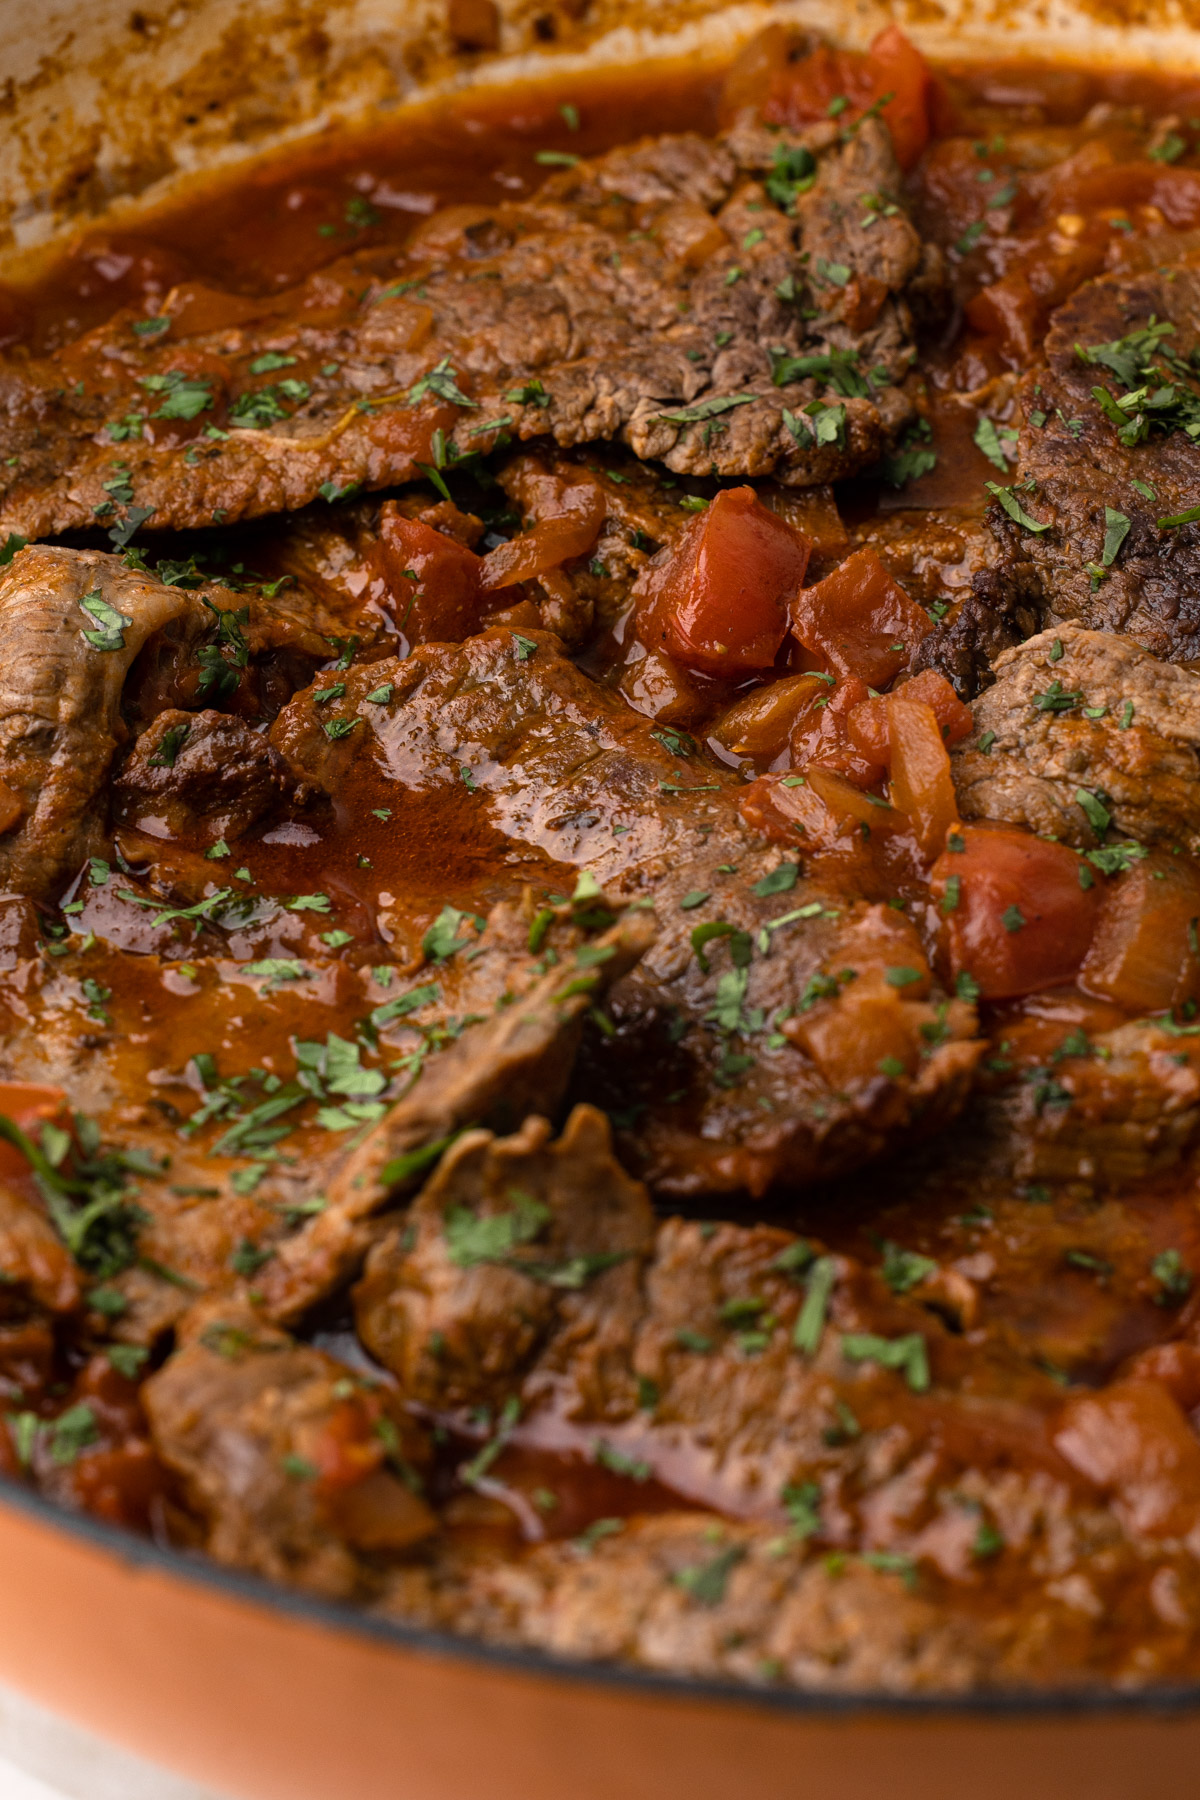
(203, 776)
(499, 1069)
(660, 294)
(1074, 709)
(532, 1271)
(72, 622)
(284, 1453)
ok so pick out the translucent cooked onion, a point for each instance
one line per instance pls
(921, 784)
(759, 724)
(1143, 955)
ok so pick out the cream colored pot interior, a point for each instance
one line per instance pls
(109, 107)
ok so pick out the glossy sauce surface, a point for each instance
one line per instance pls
(1084, 199)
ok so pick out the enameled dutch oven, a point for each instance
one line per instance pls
(273, 1696)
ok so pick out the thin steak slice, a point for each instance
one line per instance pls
(89, 645)
(762, 1038)
(1074, 709)
(1096, 479)
(689, 1593)
(665, 294)
(530, 1286)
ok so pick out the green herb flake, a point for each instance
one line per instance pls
(906, 1354)
(1012, 506)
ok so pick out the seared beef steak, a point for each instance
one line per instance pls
(1098, 478)
(660, 294)
(760, 983)
(73, 623)
(1074, 709)
(282, 1453)
(695, 1593)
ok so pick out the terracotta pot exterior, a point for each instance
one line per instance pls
(270, 1698)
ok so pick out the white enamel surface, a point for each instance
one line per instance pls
(44, 1758)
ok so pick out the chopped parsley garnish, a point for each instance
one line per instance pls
(110, 625)
(904, 1269)
(442, 382)
(1012, 506)
(906, 1354)
(707, 409)
(809, 1328)
(705, 1583)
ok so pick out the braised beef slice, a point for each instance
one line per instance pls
(650, 294)
(496, 1068)
(748, 948)
(1073, 709)
(531, 1282)
(690, 1593)
(534, 1268)
(1130, 574)
(281, 1452)
(73, 623)
(207, 776)
(1125, 1107)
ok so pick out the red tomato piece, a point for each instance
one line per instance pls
(820, 733)
(1014, 915)
(859, 621)
(720, 604)
(433, 583)
(892, 66)
(868, 723)
(29, 1104)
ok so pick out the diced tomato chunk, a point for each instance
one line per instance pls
(868, 723)
(818, 813)
(720, 603)
(432, 581)
(893, 68)
(29, 1104)
(820, 732)
(859, 621)
(1015, 917)
(922, 786)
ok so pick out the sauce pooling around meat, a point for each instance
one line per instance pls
(599, 815)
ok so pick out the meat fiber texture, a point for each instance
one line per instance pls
(1101, 550)
(530, 1282)
(657, 294)
(746, 942)
(1074, 709)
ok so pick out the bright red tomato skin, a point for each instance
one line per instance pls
(1014, 915)
(859, 621)
(802, 93)
(720, 604)
(443, 604)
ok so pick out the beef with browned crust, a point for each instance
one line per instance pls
(283, 1453)
(651, 294)
(1074, 709)
(747, 1007)
(1100, 555)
